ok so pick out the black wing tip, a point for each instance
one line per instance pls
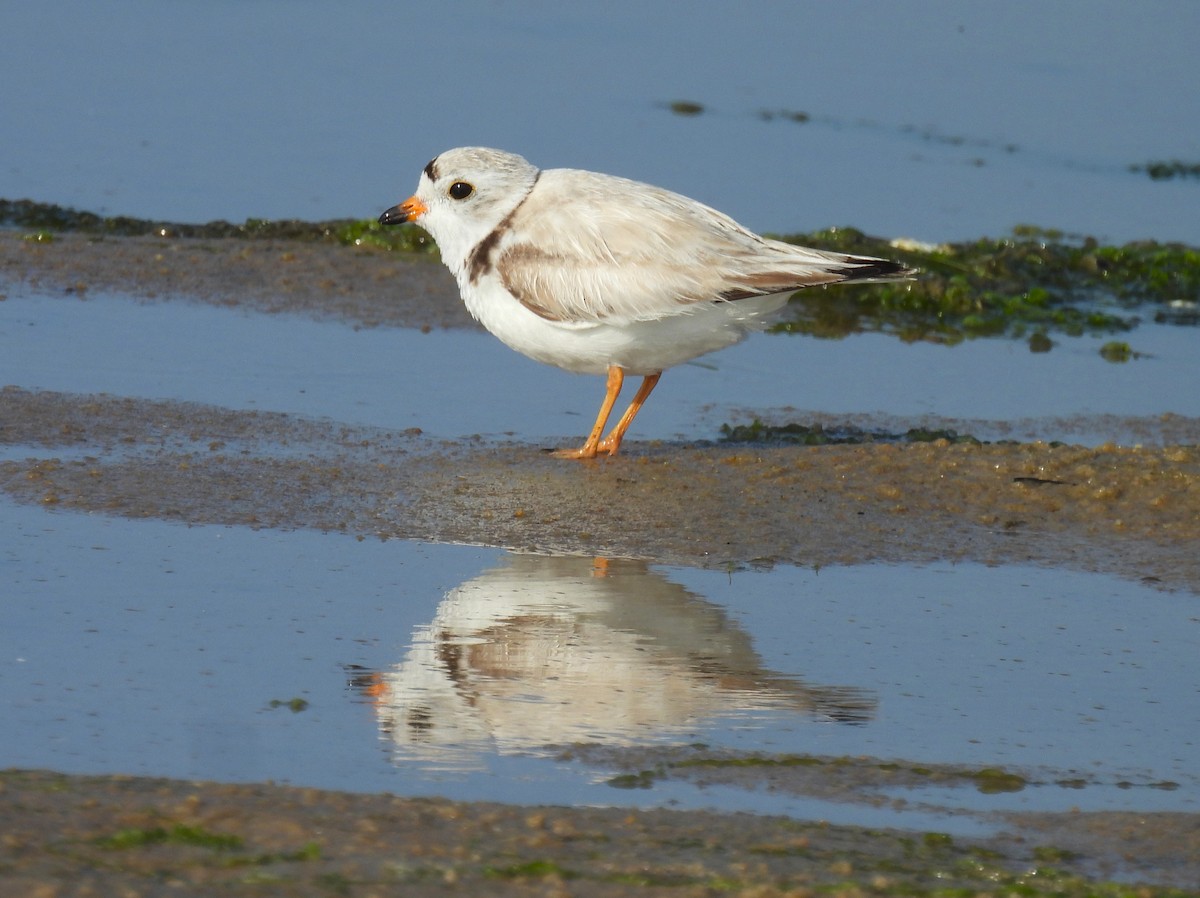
(862, 268)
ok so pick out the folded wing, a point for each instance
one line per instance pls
(598, 248)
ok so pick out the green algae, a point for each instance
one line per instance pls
(178, 834)
(533, 868)
(685, 107)
(993, 780)
(844, 774)
(1117, 351)
(937, 840)
(796, 434)
(1169, 169)
(231, 847)
(1026, 286)
(652, 851)
(1029, 285)
(643, 779)
(988, 780)
(295, 705)
(43, 220)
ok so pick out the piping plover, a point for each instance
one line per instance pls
(601, 275)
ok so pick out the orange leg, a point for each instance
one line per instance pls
(616, 378)
(612, 442)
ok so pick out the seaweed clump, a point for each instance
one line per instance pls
(47, 218)
(1031, 284)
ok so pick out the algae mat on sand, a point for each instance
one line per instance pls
(74, 836)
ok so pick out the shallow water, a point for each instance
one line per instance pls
(152, 648)
(155, 648)
(938, 120)
(401, 378)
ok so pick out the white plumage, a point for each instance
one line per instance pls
(598, 274)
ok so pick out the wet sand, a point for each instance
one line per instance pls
(1131, 511)
(1126, 510)
(324, 280)
(76, 836)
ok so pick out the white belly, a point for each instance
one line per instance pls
(639, 347)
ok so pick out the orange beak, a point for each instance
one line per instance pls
(410, 210)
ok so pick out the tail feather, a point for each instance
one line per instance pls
(818, 268)
(868, 269)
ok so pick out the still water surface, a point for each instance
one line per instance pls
(935, 120)
(153, 648)
(399, 378)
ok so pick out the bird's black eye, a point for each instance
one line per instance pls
(460, 190)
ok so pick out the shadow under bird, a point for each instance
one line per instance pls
(598, 274)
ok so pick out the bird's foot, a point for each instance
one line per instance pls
(589, 450)
(581, 452)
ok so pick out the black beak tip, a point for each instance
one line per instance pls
(393, 216)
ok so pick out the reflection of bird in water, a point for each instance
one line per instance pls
(547, 650)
